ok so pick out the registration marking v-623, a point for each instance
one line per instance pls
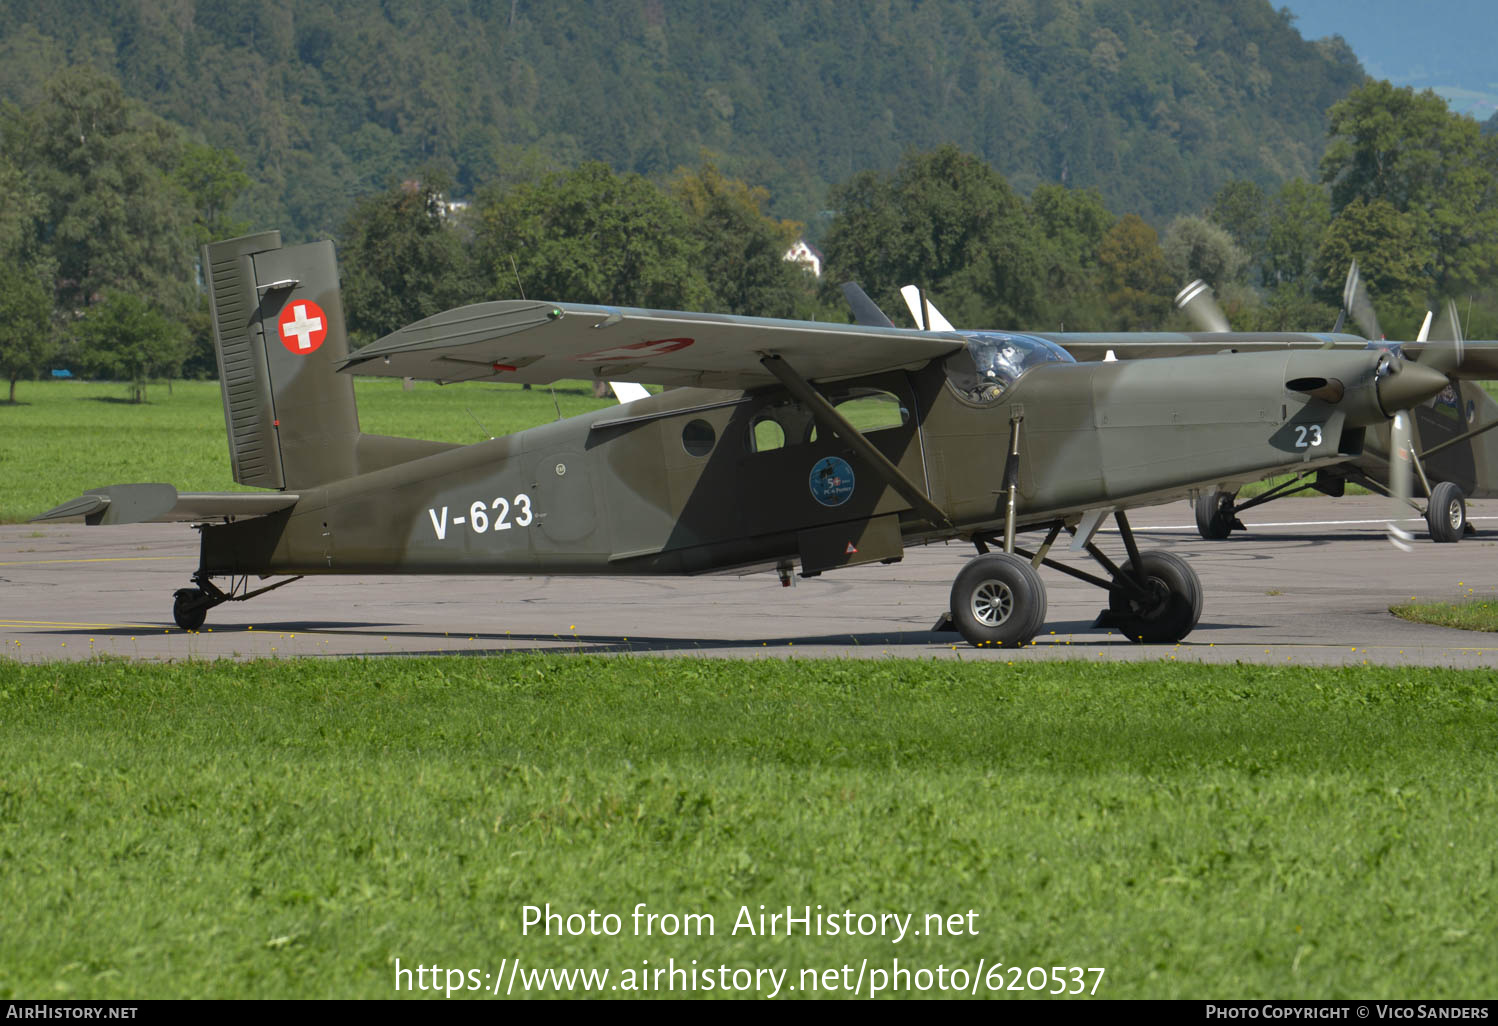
(479, 520)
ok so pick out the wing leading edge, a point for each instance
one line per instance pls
(538, 343)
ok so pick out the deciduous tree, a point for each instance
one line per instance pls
(123, 337)
(590, 236)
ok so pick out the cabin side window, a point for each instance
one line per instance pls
(777, 426)
(869, 410)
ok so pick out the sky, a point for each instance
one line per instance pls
(1450, 46)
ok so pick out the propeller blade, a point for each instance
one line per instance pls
(1195, 300)
(925, 314)
(628, 391)
(1424, 332)
(1356, 302)
(1444, 349)
(1400, 478)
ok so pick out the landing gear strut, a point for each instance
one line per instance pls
(1445, 510)
(999, 599)
(190, 605)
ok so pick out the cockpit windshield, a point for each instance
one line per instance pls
(992, 361)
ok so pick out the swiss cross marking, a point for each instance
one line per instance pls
(303, 326)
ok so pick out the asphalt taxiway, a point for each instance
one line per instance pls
(1310, 583)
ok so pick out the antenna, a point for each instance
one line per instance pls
(478, 422)
(517, 282)
(554, 401)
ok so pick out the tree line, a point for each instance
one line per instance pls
(103, 206)
(1152, 102)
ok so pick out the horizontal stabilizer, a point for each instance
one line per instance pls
(161, 503)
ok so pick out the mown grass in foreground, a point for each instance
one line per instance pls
(63, 437)
(292, 828)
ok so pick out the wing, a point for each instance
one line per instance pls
(1147, 345)
(158, 503)
(537, 343)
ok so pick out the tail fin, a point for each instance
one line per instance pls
(279, 332)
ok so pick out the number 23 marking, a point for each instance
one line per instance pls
(1302, 431)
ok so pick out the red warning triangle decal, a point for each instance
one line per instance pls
(850, 550)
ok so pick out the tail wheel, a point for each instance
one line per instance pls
(998, 599)
(1446, 516)
(1214, 515)
(190, 608)
(1174, 605)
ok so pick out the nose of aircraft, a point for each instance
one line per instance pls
(1407, 384)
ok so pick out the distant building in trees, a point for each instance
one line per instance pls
(807, 255)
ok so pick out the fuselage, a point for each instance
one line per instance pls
(696, 480)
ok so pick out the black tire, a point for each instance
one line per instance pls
(998, 600)
(1175, 605)
(1214, 515)
(1446, 516)
(190, 608)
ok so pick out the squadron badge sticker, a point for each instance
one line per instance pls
(831, 481)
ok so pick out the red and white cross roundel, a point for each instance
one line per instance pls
(302, 326)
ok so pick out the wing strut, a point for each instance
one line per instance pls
(826, 415)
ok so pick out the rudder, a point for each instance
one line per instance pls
(279, 334)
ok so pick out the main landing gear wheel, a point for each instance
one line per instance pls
(1215, 518)
(1174, 604)
(1447, 513)
(190, 608)
(998, 599)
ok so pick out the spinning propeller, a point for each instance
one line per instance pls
(1399, 377)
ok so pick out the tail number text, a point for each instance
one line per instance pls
(499, 515)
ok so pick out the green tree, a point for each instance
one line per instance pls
(1297, 222)
(743, 248)
(123, 337)
(944, 220)
(590, 236)
(1391, 255)
(1293, 306)
(1406, 149)
(213, 180)
(26, 337)
(114, 219)
(1240, 208)
(1196, 248)
(26, 341)
(403, 258)
(1071, 225)
(1136, 279)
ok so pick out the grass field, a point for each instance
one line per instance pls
(63, 437)
(293, 828)
(1470, 614)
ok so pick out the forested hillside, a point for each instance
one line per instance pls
(1155, 103)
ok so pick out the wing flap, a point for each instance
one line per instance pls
(538, 343)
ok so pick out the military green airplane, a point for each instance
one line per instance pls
(782, 445)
